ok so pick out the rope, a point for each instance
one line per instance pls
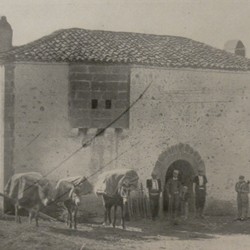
(96, 135)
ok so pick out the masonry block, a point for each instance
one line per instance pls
(83, 95)
(122, 86)
(80, 113)
(101, 114)
(80, 76)
(122, 96)
(80, 122)
(110, 77)
(80, 85)
(121, 70)
(103, 83)
(100, 123)
(99, 69)
(98, 86)
(97, 94)
(120, 104)
(110, 95)
(101, 104)
(111, 86)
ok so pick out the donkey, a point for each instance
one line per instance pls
(68, 191)
(29, 191)
(114, 187)
(120, 198)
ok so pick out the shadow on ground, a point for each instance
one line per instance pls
(143, 230)
(140, 231)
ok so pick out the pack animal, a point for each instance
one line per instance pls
(29, 191)
(68, 191)
(119, 199)
(114, 187)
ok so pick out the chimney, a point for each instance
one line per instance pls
(236, 47)
(5, 34)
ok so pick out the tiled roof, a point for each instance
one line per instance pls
(80, 45)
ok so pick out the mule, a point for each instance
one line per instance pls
(120, 198)
(29, 191)
(68, 191)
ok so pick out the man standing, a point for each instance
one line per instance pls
(199, 186)
(154, 190)
(184, 197)
(242, 189)
(173, 189)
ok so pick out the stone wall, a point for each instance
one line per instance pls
(42, 129)
(9, 121)
(2, 83)
(44, 136)
(207, 110)
(102, 84)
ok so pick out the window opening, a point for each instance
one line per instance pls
(108, 104)
(94, 104)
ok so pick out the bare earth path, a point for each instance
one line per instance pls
(214, 233)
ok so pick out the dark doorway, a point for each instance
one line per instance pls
(186, 175)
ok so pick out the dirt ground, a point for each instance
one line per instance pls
(214, 233)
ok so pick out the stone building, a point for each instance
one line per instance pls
(64, 88)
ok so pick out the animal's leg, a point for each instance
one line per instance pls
(36, 217)
(122, 215)
(16, 212)
(75, 214)
(109, 214)
(105, 211)
(67, 218)
(115, 208)
(105, 215)
(30, 216)
(17, 217)
(70, 217)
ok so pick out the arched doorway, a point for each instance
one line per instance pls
(184, 158)
(186, 175)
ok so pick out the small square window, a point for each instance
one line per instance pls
(108, 104)
(94, 104)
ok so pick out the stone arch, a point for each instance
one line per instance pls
(178, 152)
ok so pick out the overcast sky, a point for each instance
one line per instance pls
(210, 21)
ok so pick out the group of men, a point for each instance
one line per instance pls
(178, 195)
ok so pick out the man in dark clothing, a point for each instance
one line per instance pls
(154, 190)
(199, 185)
(242, 189)
(173, 190)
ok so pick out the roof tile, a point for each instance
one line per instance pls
(81, 45)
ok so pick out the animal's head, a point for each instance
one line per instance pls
(124, 193)
(125, 185)
(44, 191)
(124, 188)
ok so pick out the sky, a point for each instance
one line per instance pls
(210, 21)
